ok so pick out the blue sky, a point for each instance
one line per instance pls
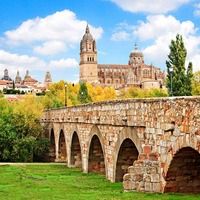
(44, 35)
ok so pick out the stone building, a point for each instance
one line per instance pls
(18, 78)
(28, 80)
(135, 73)
(47, 79)
(6, 76)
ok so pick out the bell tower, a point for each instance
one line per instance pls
(88, 58)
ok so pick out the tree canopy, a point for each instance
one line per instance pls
(21, 131)
(179, 79)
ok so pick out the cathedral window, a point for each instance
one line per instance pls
(146, 73)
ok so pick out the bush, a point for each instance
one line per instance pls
(20, 131)
(41, 149)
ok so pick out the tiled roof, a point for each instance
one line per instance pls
(113, 66)
(4, 82)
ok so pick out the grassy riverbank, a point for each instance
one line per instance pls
(38, 182)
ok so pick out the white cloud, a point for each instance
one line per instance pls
(158, 25)
(122, 32)
(197, 9)
(63, 63)
(150, 6)
(14, 62)
(62, 29)
(120, 36)
(161, 30)
(50, 48)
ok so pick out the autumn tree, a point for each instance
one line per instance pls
(20, 130)
(196, 83)
(136, 92)
(178, 77)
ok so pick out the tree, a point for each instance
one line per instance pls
(189, 79)
(20, 130)
(83, 95)
(180, 79)
(196, 83)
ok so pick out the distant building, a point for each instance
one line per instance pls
(4, 84)
(6, 76)
(135, 73)
(48, 79)
(27, 85)
(18, 79)
(28, 80)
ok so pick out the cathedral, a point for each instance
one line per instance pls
(135, 73)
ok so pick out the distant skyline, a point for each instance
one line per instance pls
(45, 35)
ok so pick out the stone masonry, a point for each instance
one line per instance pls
(153, 145)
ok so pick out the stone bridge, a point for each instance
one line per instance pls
(152, 145)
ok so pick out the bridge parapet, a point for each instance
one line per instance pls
(157, 114)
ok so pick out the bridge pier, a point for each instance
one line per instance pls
(144, 175)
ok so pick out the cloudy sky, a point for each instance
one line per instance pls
(44, 35)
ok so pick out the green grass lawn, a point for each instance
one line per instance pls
(59, 182)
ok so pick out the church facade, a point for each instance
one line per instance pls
(135, 73)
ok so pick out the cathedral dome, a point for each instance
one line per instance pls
(136, 56)
(136, 52)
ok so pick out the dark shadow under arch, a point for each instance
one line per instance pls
(62, 153)
(76, 158)
(52, 149)
(128, 153)
(183, 175)
(96, 161)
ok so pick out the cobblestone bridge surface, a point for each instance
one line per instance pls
(152, 145)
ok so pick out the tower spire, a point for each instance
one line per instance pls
(135, 46)
(87, 29)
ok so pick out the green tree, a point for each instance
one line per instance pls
(83, 95)
(189, 79)
(181, 79)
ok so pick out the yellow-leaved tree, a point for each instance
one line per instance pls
(98, 93)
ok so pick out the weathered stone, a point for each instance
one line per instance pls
(156, 130)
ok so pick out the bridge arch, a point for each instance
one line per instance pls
(75, 151)
(62, 147)
(183, 174)
(52, 150)
(127, 141)
(96, 152)
(182, 141)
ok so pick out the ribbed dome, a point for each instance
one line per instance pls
(87, 35)
(136, 52)
(136, 56)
